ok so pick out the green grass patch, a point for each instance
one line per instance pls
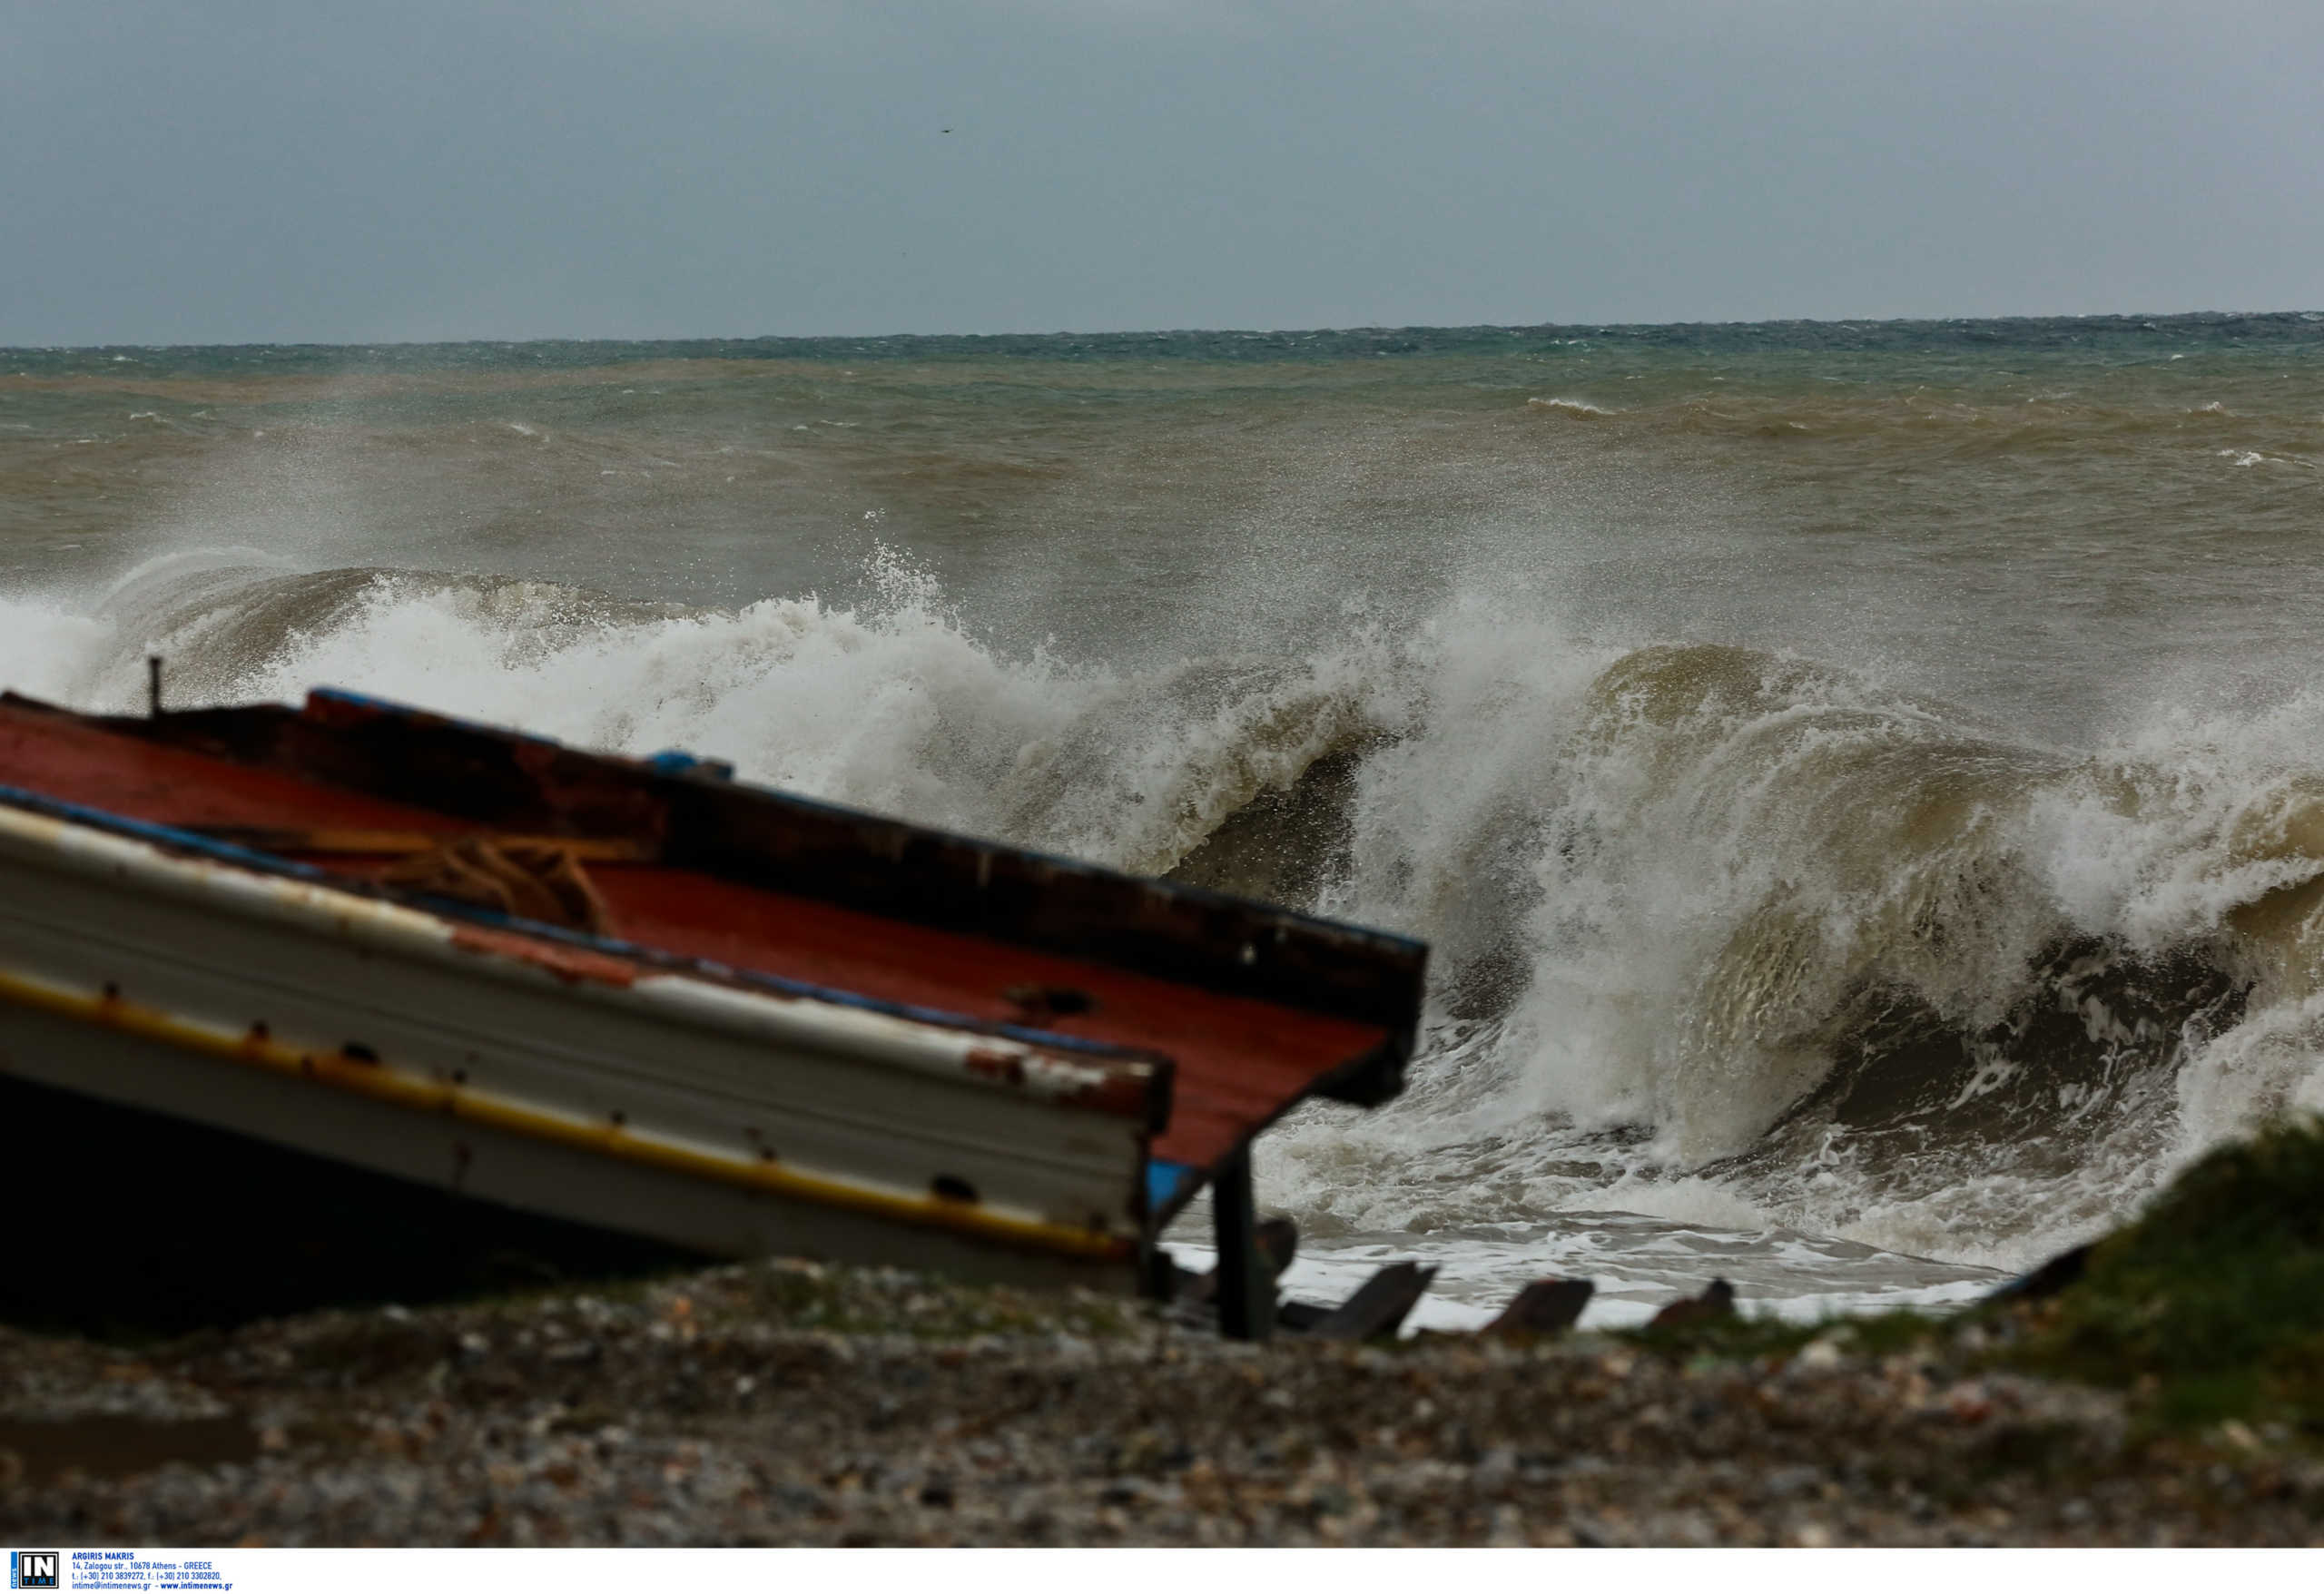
(1742, 1337)
(2211, 1305)
(1748, 1336)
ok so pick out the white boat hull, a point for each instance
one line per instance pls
(556, 1078)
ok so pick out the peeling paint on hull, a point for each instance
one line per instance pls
(779, 1026)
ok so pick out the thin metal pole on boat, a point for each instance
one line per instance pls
(1245, 1280)
(153, 685)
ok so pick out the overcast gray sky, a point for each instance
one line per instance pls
(262, 171)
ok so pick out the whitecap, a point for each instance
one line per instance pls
(1579, 407)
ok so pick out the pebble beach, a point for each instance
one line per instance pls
(786, 1403)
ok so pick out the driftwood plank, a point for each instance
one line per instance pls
(1716, 1304)
(1299, 1316)
(1277, 1239)
(1548, 1305)
(1379, 1307)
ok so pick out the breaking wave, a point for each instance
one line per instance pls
(1743, 937)
(891, 704)
(1722, 934)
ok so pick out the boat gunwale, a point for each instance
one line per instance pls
(765, 838)
(170, 839)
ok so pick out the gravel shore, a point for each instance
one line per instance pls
(784, 1404)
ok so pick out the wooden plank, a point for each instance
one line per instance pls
(1277, 1239)
(1548, 1305)
(2058, 1273)
(1380, 1307)
(1716, 1303)
(1299, 1316)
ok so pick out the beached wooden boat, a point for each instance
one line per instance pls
(639, 995)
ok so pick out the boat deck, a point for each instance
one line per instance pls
(1240, 1059)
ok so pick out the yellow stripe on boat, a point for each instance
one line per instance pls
(378, 1082)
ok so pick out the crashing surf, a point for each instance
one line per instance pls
(1727, 937)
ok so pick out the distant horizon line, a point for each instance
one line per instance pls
(1374, 328)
